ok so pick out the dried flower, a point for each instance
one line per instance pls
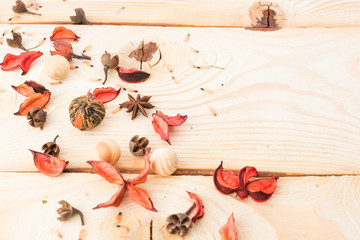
(181, 223)
(37, 96)
(132, 75)
(259, 190)
(64, 34)
(66, 211)
(112, 175)
(65, 49)
(161, 123)
(228, 231)
(105, 95)
(16, 41)
(51, 148)
(79, 18)
(48, 165)
(144, 52)
(137, 146)
(109, 62)
(21, 8)
(136, 105)
(23, 61)
(36, 117)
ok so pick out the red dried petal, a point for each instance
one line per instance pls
(105, 94)
(26, 58)
(10, 62)
(198, 211)
(132, 75)
(49, 165)
(115, 200)
(245, 174)
(62, 33)
(142, 177)
(227, 182)
(228, 231)
(261, 189)
(67, 56)
(107, 171)
(242, 193)
(141, 197)
(29, 88)
(161, 127)
(36, 100)
(173, 121)
(23, 61)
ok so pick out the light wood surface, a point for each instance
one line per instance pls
(286, 102)
(309, 208)
(231, 13)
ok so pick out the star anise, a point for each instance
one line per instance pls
(136, 105)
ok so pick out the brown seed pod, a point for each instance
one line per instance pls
(36, 117)
(51, 148)
(178, 223)
(66, 211)
(137, 146)
(86, 112)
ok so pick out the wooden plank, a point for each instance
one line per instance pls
(287, 101)
(230, 13)
(312, 208)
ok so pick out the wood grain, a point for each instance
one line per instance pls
(287, 101)
(301, 208)
(227, 13)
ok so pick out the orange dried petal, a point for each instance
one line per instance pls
(228, 231)
(141, 197)
(161, 127)
(107, 171)
(105, 94)
(115, 200)
(142, 177)
(62, 33)
(199, 208)
(36, 100)
(174, 120)
(245, 174)
(26, 58)
(49, 165)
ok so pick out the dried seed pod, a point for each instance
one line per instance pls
(66, 211)
(16, 41)
(86, 112)
(51, 148)
(164, 161)
(57, 67)
(178, 223)
(107, 150)
(109, 62)
(137, 146)
(21, 8)
(36, 117)
(79, 18)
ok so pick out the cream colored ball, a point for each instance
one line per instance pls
(164, 161)
(57, 67)
(107, 150)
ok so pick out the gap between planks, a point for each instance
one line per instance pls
(193, 172)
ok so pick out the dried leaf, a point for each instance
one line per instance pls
(115, 200)
(23, 61)
(228, 231)
(141, 197)
(142, 177)
(49, 165)
(107, 171)
(144, 52)
(225, 183)
(62, 33)
(174, 120)
(161, 127)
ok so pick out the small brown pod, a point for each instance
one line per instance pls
(86, 112)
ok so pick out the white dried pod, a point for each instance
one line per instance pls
(57, 67)
(107, 150)
(164, 161)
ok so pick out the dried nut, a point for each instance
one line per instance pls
(178, 223)
(107, 150)
(164, 161)
(137, 146)
(57, 67)
(51, 148)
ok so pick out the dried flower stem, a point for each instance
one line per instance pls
(190, 209)
(216, 67)
(83, 56)
(76, 211)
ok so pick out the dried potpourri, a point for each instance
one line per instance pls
(51, 148)
(48, 165)
(62, 33)
(86, 112)
(138, 104)
(144, 52)
(105, 94)
(37, 96)
(109, 63)
(181, 223)
(79, 18)
(66, 211)
(161, 123)
(21, 8)
(36, 117)
(112, 175)
(16, 42)
(65, 49)
(228, 231)
(24, 60)
(259, 189)
(132, 75)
